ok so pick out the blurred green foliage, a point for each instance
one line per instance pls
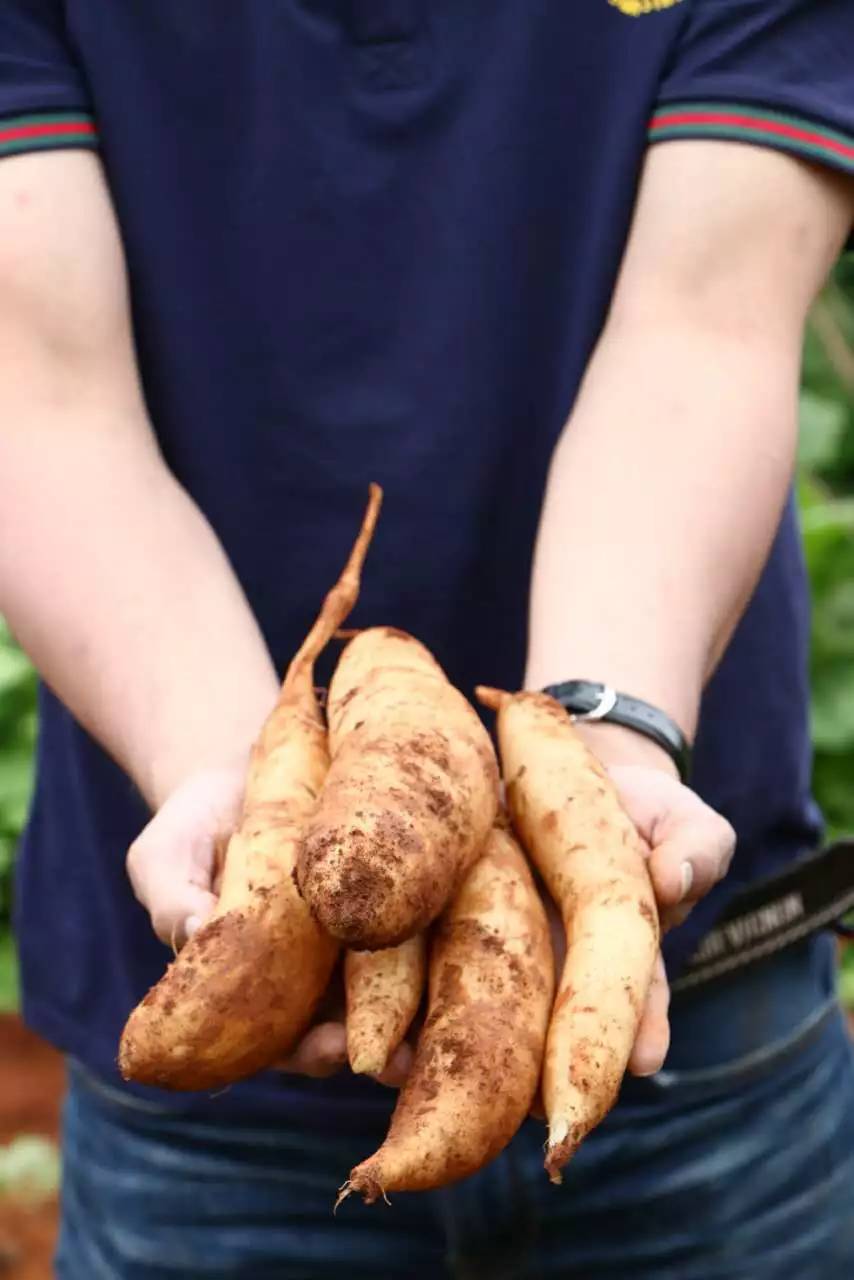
(826, 493)
(17, 740)
(826, 496)
(29, 1169)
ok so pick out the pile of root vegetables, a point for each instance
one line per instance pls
(377, 837)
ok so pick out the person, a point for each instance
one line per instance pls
(542, 270)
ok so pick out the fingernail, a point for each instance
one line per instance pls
(686, 878)
(193, 923)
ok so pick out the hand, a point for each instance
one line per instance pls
(174, 865)
(175, 868)
(322, 1052)
(690, 850)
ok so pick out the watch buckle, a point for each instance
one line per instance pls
(605, 705)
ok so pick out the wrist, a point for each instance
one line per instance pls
(167, 776)
(614, 745)
(650, 734)
(220, 746)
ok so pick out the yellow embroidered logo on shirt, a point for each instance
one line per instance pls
(637, 8)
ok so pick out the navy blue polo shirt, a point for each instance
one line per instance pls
(376, 239)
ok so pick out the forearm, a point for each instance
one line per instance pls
(667, 487)
(663, 499)
(118, 589)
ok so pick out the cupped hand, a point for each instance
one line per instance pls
(175, 867)
(322, 1052)
(690, 850)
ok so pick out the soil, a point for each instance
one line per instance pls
(31, 1086)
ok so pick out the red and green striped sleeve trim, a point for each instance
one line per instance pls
(47, 130)
(730, 121)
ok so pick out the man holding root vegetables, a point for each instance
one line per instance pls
(542, 270)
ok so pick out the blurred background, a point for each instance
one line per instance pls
(31, 1074)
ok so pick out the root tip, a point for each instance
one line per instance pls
(367, 1064)
(558, 1132)
(368, 1185)
(492, 698)
(562, 1144)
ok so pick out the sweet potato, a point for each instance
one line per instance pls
(409, 798)
(384, 990)
(568, 815)
(245, 986)
(478, 1058)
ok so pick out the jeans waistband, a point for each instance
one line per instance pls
(738, 1023)
(756, 1006)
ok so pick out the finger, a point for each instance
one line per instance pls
(672, 917)
(397, 1068)
(692, 850)
(653, 1038)
(174, 888)
(178, 911)
(321, 1052)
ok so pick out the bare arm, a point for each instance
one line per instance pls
(667, 486)
(109, 575)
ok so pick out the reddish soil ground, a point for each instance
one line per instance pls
(31, 1084)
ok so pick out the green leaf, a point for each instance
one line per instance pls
(833, 774)
(846, 977)
(833, 708)
(7, 854)
(835, 515)
(822, 427)
(29, 1168)
(14, 668)
(8, 972)
(833, 621)
(16, 784)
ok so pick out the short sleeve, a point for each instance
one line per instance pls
(775, 73)
(44, 102)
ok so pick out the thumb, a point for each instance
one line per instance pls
(177, 906)
(170, 866)
(691, 845)
(179, 911)
(653, 1037)
(692, 849)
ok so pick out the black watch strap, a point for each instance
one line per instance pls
(587, 700)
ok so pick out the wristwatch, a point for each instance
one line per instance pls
(587, 700)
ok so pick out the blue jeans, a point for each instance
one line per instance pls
(737, 1161)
